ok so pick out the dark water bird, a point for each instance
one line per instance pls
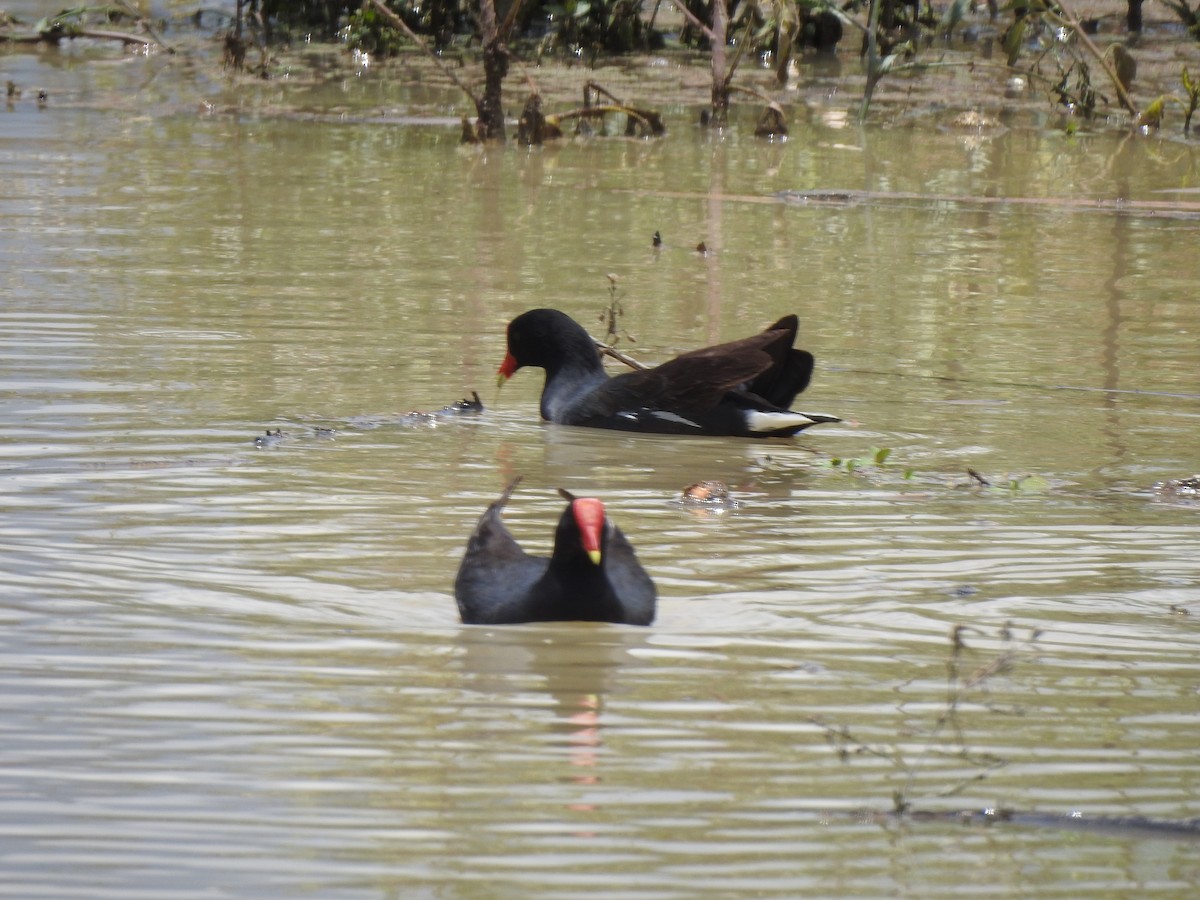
(743, 388)
(593, 574)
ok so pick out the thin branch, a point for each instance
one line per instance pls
(606, 350)
(1068, 18)
(145, 25)
(753, 92)
(642, 117)
(600, 90)
(509, 19)
(738, 51)
(396, 22)
(873, 72)
(691, 17)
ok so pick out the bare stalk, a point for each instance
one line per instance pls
(396, 22)
(1069, 19)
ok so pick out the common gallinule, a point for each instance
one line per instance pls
(742, 388)
(593, 574)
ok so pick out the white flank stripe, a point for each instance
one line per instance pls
(771, 421)
(672, 417)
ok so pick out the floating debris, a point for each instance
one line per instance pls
(975, 120)
(420, 419)
(983, 482)
(1179, 489)
(417, 419)
(708, 495)
(271, 438)
(833, 198)
(466, 406)
(771, 124)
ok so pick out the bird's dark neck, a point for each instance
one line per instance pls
(583, 584)
(586, 592)
(569, 378)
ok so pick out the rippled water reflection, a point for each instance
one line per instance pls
(239, 671)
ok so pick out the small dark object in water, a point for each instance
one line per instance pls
(702, 248)
(533, 128)
(418, 418)
(465, 405)
(822, 195)
(771, 123)
(271, 438)
(462, 407)
(710, 495)
(820, 31)
(593, 574)
(1181, 488)
(656, 240)
(706, 491)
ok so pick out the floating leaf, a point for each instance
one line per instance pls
(1029, 484)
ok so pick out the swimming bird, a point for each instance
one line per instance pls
(743, 388)
(592, 575)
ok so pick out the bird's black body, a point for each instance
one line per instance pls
(742, 388)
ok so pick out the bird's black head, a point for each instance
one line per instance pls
(545, 339)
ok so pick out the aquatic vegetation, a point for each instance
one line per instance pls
(1188, 16)
(536, 127)
(93, 22)
(1152, 116)
(945, 736)
(858, 465)
(1043, 42)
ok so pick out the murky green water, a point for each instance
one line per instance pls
(239, 672)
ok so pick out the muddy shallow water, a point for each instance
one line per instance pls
(238, 671)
